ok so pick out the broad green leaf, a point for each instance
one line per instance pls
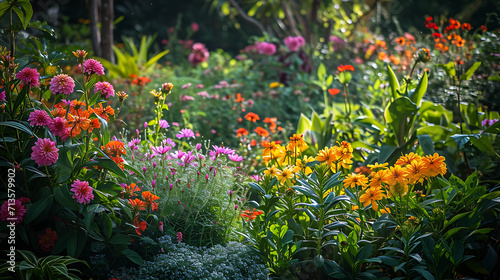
(257, 187)
(304, 124)
(120, 239)
(393, 82)
(155, 58)
(449, 68)
(402, 112)
(470, 71)
(483, 143)
(419, 92)
(133, 256)
(41, 206)
(426, 143)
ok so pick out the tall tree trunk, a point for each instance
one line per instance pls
(107, 16)
(94, 29)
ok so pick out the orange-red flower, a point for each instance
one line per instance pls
(149, 198)
(333, 91)
(130, 190)
(103, 112)
(252, 117)
(137, 204)
(262, 131)
(251, 215)
(241, 131)
(139, 226)
(78, 120)
(238, 98)
(343, 68)
(114, 149)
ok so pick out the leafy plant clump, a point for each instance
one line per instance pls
(182, 261)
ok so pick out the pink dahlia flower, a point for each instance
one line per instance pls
(44, 152)
(13, 212)
(62, 83)
(92, 66)
(39, 117)
(199, 54)
(105, 88)
(294, 43)
(29, 76)
(266, 48)
(58, 128)
(83, 192)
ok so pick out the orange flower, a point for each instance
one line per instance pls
(137, 204)
(130, 190)
(94, 123)
(78, 120)
(379, 177)
(262, 131)
(114, 149)
(251, 215)
(103, 113)
(253, 143)
(252, 117)
(407, 159)
(238, 98)
(333, 91)
(241, 131)
(139, 227)
(149, 198)
(434, 165)
(397, 175)
(353, 180)
(401, 41)
(297, 141)
(371, 195)
(343, 68)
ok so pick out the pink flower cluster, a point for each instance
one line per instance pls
(62, 83)
(44, 152)
(294, 43)
(266, 48)
(29, 76)
(105, 88)
(57, 126)
(13, 212)
(83, 192)
(92, 66)
(199, 54)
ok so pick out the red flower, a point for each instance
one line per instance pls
(262, 131)
(139, 227)
(252, 117)
(333, 91)
(47, 241)
(241, 131)
(343, 68)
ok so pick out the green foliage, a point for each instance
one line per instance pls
(45, 268)
(133, 61)
(181, 261)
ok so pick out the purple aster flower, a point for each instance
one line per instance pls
(235, 157)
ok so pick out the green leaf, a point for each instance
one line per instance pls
(257, 187)
(419, 92)
(155, 58)
(393, 82)
(364, 253)
(120, 239)
(19, 126)
(426, 143)
(451, 232)
(402, 112)
(64, 197)
(64, 165)
(89, 85)
(483, 143)
(449, 68)
(107, 226)
(107, 164)
(4, 7)
(39, 207)
(321, 72)
(471, 71)
(28, 11)
(426, 274)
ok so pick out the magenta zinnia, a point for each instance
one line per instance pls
(58, 128)
(92, 66)
(39, 117)
(13, 212)
(105, 88)
(29, 76)
(44, 152)
(83, 192)
(62, 83)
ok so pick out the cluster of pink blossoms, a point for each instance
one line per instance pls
(294, 43)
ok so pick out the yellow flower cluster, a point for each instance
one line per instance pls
(337, 156)
(408, 170)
